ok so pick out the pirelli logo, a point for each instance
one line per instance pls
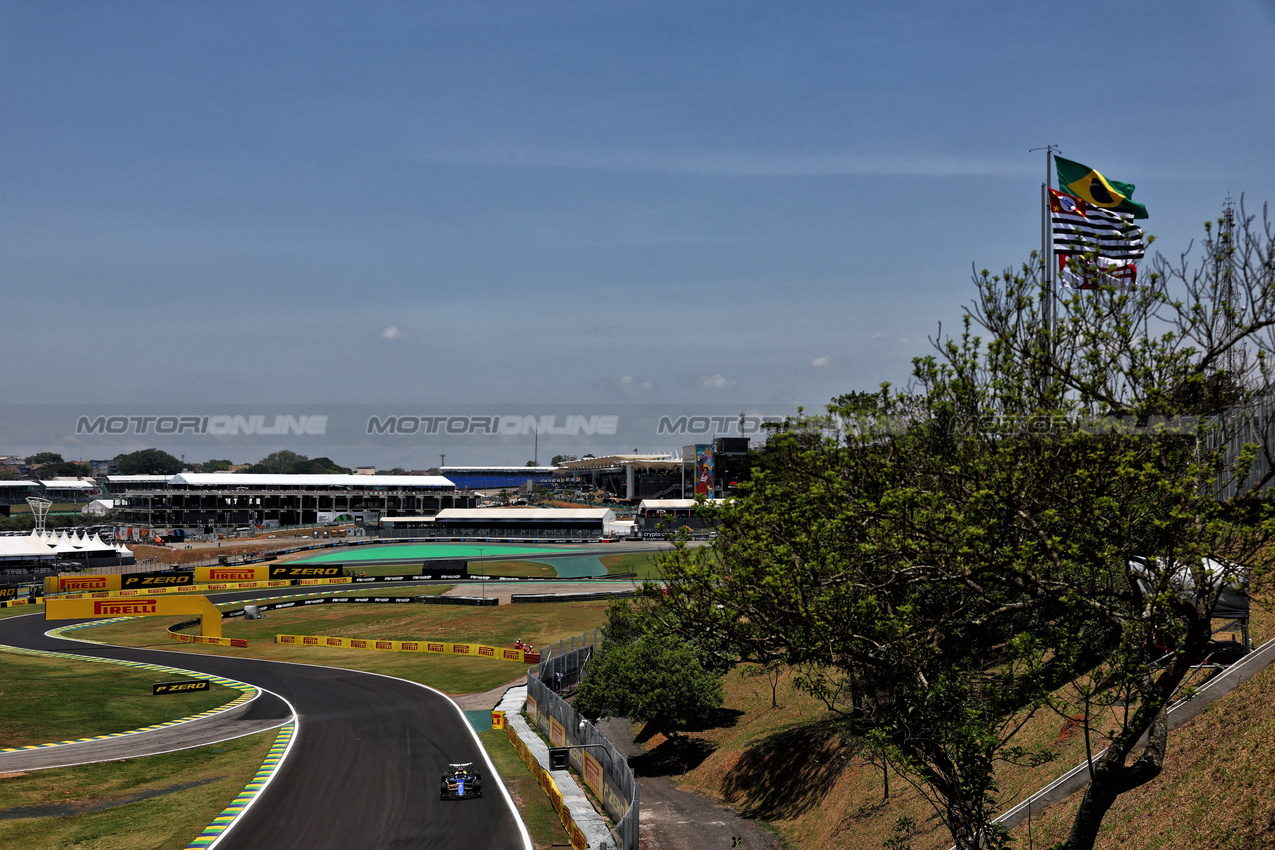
(358, 644)
(310, 641)
(384, 644)
(177, 687)
(487, 650)
(231, 574)
(411, 646)
(433, 647)
(306, 572)
(93, 583)
(125, 608)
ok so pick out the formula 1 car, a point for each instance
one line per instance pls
(460, 782)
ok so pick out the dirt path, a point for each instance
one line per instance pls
(672, 819)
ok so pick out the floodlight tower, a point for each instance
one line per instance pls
(40, 510)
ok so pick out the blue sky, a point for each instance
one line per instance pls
(569, 202)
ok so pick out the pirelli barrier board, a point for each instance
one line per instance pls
(146, 606)
(472, 650)
(152, 591)
(550, 788)
(9, 592)
(212, 641)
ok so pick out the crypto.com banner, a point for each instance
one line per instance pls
(312, 426)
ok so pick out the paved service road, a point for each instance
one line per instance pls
(363, 771)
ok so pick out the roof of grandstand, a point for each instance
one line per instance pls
(231, 480)
(69, 484)
(614, 461)
(526, 514)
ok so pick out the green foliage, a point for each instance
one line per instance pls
(61, 469)
(1018, 530)
(656, 679)
(41, 458)
(286, 462)
(148, 462)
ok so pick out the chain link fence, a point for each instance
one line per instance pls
(562, 667)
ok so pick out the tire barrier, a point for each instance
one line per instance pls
(468, 650)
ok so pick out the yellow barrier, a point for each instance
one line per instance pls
(62, 584)
(216, 641)
(578, 841)
(323, 581)
(473, 650)
(82, 609)
(13, 603)
(153, 591)
(204, 575)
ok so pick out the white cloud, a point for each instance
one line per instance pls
(628, 383)
(394, 332)
(882, 335)
(823, 361)
(718, 382)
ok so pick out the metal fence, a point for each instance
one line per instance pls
(619, 792)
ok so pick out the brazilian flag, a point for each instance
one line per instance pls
(1087, 184)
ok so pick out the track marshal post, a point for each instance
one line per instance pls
(138, 606)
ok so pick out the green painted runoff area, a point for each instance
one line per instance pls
(415, 551)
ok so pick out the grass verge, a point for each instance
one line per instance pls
(155, 803)
(500, 626)
(55, 699)
(533, 804)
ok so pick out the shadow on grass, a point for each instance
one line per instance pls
(787, 773)
(677, 754)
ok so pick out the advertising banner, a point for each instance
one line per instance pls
(593, 773)
(178, 687)
(204, 575)
(142, 606)
(77, 583)
(142, 581)
(704, 470)
(281, 571)
(473, 650)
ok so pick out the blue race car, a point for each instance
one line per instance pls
(460, 782)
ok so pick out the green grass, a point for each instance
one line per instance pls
(522, 569)
(190, 789)
(645, 564)
(53, 699)
(533, 804)
(500, 626)
(421, 551)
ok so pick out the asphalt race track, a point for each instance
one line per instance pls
(364, 768)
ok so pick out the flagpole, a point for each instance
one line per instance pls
(1048, 306)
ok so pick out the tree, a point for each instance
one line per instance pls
(41, 458)
(647, 677)
(148, 462)
(61, 469)
(216, 465)
(1035, 526)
